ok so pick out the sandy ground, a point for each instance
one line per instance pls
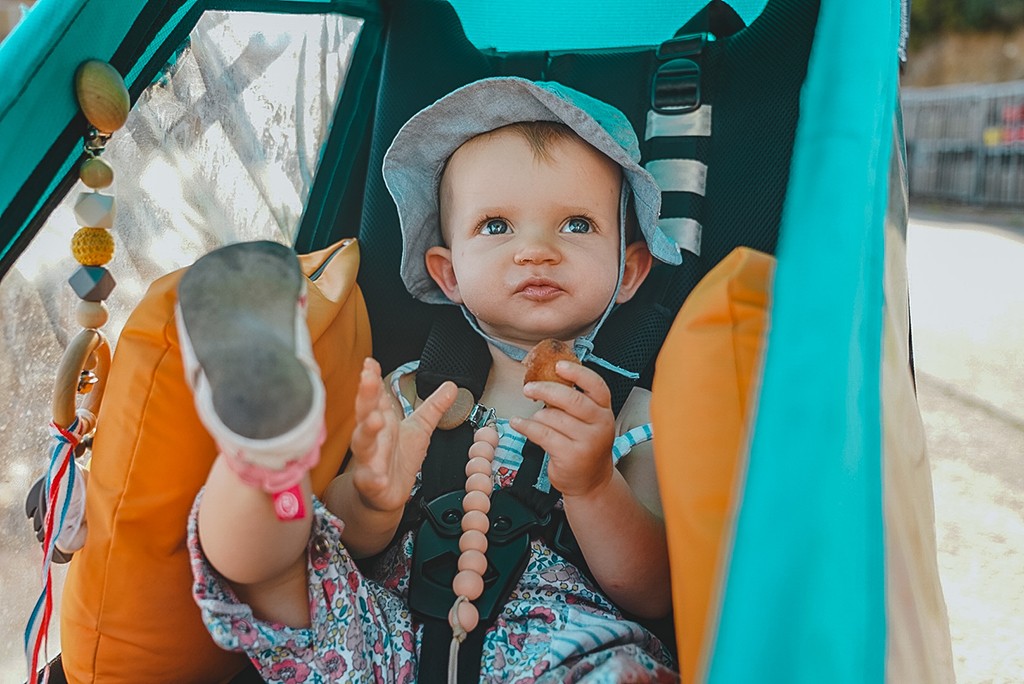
(967, 308)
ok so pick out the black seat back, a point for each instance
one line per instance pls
(751, 80)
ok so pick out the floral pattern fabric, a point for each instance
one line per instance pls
(557, 626)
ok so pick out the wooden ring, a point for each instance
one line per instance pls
(85, 344)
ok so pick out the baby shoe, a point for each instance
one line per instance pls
(249, 360)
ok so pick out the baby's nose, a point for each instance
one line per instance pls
(537, 248)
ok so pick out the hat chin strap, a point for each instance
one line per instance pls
(583, 347)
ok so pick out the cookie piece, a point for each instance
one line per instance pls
(540, 361)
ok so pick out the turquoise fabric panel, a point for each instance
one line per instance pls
(40, 58)
(804, 598)
(578, 24)
(129, 79)
(158, 41)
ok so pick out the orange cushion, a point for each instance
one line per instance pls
(127, 613)
(703, 394)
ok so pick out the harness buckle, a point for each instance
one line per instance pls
(435, 554)
(675, 87)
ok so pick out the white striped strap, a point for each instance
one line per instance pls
(679, 175)
(695, 123)
(684, 231)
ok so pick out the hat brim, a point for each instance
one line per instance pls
(416, 157)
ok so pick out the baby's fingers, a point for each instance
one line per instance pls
(370, 417)
(543, 434)
(591, 384)
(588, 403)
(428, 414)
(369, 391)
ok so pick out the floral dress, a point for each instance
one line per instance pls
(557, 626)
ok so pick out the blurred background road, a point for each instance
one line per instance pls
(966, 270)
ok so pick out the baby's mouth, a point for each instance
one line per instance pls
(539, 289)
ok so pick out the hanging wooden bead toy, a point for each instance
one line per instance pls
(56, 502)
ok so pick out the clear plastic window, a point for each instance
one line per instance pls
(222, 147)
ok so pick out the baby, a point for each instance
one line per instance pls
(519, 202)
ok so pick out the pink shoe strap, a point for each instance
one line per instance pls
(289, 505)
(282, 484)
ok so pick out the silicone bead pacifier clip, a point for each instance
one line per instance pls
(468, 583)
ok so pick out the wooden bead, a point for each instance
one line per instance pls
(468, 615)
(476, 501)
(481, 450)
(102, 95)
(478, 465)
(96, 210)
(469, 584)
(473, 560)
(480, 483)
(487, 434)
(91, 314)
(475, 520)
(96, 173)
(459, 411)
(92, 246)
(473, 540)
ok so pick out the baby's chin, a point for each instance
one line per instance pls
(526, 341)
(528, 330)
(535, 324)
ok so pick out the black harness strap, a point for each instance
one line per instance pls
(631, 338)
(454, 351)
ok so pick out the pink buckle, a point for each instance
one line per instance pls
(288, 504)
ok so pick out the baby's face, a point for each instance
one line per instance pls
(534, 241)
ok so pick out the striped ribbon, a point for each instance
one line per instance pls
(61, 469)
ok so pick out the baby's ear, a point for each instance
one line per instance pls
(637, 265)
(439, 266)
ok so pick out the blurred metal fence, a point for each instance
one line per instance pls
(966, 143)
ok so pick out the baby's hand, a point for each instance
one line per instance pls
(575, 427)
(387, 449)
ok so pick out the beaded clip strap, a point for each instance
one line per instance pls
(468, 583)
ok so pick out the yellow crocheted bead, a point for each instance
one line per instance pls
(92, 246)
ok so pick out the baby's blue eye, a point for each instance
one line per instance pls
(576, 225)
(495, 226)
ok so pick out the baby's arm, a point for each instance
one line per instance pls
(387, 452)
(622, 540)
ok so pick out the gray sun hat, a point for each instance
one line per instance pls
(414, 162)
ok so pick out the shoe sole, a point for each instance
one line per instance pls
(238, 306)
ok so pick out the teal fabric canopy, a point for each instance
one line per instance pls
(805, 595)
(578, 24)
(804, 598)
